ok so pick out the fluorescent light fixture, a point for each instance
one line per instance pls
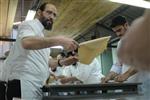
(16, 23)
(137, 3)
(58, 47)
(30, 15)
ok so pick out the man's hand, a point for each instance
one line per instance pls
(68, 79)
(121, 78)
(68, 61)
(104, 80)
(35, 42)
(68, 43)
(64, 80)
(111, 75)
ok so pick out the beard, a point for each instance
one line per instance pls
(48, 24)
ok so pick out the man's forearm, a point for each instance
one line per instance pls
(131, 71)
(34, 43)
(62, 62)
(68, 61)
(109, 76)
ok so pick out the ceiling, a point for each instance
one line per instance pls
(81, 19)
(75, 16)
(102, 27)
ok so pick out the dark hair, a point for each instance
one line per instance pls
(68, 54)
(118, 20)
(43, 6)
(63, 54)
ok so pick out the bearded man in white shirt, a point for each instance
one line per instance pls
(26, 67)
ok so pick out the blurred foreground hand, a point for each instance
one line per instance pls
(135, 45)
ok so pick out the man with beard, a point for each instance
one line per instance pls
(119, 71)
(26, 67)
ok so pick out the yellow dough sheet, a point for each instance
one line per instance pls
(90, 49)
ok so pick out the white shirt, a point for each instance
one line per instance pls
(116, 68)
(88, 74)
(58, 72)
(27, 64)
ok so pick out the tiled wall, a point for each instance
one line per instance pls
(106, 61)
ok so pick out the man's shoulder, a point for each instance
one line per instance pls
(28, 22)
(34, 24)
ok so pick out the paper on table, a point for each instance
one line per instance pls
(90, 49)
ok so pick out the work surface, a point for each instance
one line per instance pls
(115, 91)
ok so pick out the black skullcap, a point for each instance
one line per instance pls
(118, 20)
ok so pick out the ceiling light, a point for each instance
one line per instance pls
(137, 3)
(17, 23)
(57, 47)
(30, 15)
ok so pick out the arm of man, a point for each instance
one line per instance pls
(114, 71)
(35, 42)
(123, 77)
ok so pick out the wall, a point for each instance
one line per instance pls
(114, 55)
(106, 61)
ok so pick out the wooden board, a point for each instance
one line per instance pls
(7, 14)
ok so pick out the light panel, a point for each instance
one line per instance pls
(30, 15)
(137, 3)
